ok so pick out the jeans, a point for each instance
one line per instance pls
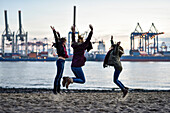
(116, 81)
(60, 69)
(78, 72)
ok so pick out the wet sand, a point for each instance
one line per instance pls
(43, 100)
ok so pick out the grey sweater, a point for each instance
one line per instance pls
(114, 58)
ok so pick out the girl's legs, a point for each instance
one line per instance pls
(60, 69)
(78, 72)
(116, 81)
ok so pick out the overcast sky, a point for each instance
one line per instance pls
(109, 17)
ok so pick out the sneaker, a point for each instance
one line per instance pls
(125, 91)
(69, 80)
(64, 81)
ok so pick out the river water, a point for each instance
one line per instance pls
(142, 75)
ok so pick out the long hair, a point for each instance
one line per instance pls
(80, 38)
(62, 40)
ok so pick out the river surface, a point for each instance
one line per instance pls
(142, 75)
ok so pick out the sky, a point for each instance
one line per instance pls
(108, 17)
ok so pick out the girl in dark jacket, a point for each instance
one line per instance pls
(113, 59)
(60, 45)
(79, 59)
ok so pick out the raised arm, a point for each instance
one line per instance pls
(116, 49)
(90, 34)
(55, 36)
(73, 34)
(58, 35)
(111, 41)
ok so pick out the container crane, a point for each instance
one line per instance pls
(22, 34)
(8, 34)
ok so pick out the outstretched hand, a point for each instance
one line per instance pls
(52, 28)
(54, 44)
(91, 27)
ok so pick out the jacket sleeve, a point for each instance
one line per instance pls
(87, 42)
(56, 38)
(89, 36)
(112, 43)
(73, 37)
(89, 47)
(58, 35)
(106, 58)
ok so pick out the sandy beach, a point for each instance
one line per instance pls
(43, 100)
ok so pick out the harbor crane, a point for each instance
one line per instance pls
(144, 39)
(22, 34)
(8, 34)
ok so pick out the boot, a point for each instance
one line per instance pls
(64, 81)
(58, 89)
(69, 81)
(125, 91)
(54, 89)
